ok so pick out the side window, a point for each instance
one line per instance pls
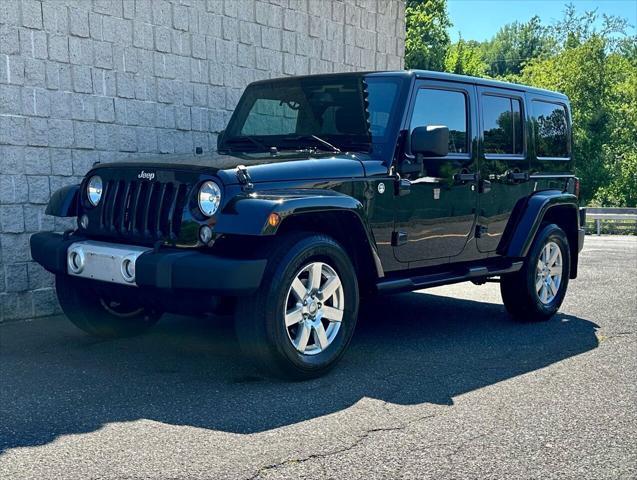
(270, 117)
(503, 128)
(443, 107)
(551, 129)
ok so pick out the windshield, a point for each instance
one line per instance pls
(322, 113)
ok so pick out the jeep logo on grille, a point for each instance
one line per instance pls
(146, 175)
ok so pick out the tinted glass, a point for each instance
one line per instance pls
(287, 113)
(381, 97)
(503, 128)
(270, 117)
(551, 129)
(446, 108)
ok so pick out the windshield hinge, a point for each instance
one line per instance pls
(244, 177)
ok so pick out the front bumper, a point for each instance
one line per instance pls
(167, 269)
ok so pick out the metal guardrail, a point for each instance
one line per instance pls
(613, 214)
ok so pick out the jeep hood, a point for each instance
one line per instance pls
(262, 167)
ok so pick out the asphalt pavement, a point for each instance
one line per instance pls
(437, 384)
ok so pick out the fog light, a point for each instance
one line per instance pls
(84, 221)
(128, 269)
(75, 261)
(205, 234)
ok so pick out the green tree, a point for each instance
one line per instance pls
(620, 152)
(466, 58)
(427, 39)
(514, 45)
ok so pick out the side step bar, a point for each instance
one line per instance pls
(408, 284)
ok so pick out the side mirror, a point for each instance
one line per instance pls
(220, 139)
(430, 141)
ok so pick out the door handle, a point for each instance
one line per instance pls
(518, 176)
(464, 177)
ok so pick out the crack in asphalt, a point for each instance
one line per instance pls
(359, 439)
(458, 448)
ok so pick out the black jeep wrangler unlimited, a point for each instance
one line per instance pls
(324, 189)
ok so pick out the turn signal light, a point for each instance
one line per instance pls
(274, 219)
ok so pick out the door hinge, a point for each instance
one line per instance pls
(398, 238)
(481, 230)
(402, 187)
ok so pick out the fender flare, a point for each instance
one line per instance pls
(527, 218)
(248, 214)
(64, 202)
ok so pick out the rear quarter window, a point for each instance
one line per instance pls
(551, 130)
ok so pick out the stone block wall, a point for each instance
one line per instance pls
(100, 80)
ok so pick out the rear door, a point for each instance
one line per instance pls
(437, 218)
(504, 161)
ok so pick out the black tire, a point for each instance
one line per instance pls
(518, 290)
(260, 318)
(88, 310)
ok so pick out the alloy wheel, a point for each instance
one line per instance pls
(314, 308)
(548, 274)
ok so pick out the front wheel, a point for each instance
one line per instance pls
(100, 314)
(300, 322)
(537, 291)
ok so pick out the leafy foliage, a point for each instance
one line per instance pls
(466, 58)
(595, 66)
(427, 38)
(514, 45)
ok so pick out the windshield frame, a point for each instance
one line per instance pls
(373, 144)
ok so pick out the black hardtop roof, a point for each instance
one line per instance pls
(440, 76)
(487, 82)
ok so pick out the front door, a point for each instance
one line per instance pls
(504, 162)
(436, 219)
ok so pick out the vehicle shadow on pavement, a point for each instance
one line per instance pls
(408, 349)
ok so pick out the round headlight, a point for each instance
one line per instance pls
(94, 190)
(209, 198)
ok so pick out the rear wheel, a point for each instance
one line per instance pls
(100, 314)
(301, 320)
(536, 292)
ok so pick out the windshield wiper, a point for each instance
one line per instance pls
(319, 140)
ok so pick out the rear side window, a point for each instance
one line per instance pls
(446, 108)
(551, 129)
(502, 119)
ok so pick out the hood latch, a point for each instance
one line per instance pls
(244, 178)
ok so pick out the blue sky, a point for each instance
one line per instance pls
(480, 19)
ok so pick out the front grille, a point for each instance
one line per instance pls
(143, 210)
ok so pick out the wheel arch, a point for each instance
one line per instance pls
(332, 213)
(350, 231)
(552, 206)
